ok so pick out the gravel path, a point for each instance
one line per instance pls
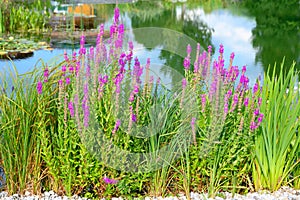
(284, 193)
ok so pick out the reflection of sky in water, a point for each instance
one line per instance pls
(234, 32)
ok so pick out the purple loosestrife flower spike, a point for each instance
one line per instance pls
(99, 36)
(66, 56)
(221, 49)
(255, 87)
(244, 69)
(117, 15)
(259, 101)
(225, 109)
(129, 55)
(133, 118)
(252, 125)
(186, 63)
(209, 49)
(71, 108)
(46, 74)
(188, 49)
(232, 56)
(68, 81)
(260, 118)
(92, 53)
(64, 68)
(82, 50)
(39, 87)
(184, 83)
(246, 102)
(117, 125)
(71, 68)
(133, 93)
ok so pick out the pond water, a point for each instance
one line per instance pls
(260, 33)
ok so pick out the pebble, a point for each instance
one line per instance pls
(285, 193)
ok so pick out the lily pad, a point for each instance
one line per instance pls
(14, 48)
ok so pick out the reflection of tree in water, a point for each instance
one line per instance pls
(276, 34)
(163, 14)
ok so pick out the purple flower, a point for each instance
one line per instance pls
(209, 49)
(259, 101)
(121, 29)
(113, 30)
(82, 40)
(86, 115)
(68, 81)
(99, 36)
(137, 70)
(102, 79)
(46, 74)
(117, 15)
(136, 89)
(74, 58)
(244, 69)
(66, 56)
(188, 49)
(260, 118)
(117, 125)
(235, 98)
(110, 181)
(229, 93)
(184, 83)
(39, 87)
(133, 93)
(82, 50)
(71, 68)
(130, 45)
(92, 52)
(71, 108)
(212, 89)
(256, 112)
(131, 97)
(244, 81)
(221, 49)
(193, 121)
(77, 68)
(64, 68)
(255, 87)
(252, 125)
(133, 118)
(186, 63)
(60, 82)
(226, 108)
(129, 55)
(246, 102)
(157, 80)
(232, 56)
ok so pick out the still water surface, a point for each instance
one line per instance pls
(257, 34)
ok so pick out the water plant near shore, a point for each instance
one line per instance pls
(22, 16)
(99, 128)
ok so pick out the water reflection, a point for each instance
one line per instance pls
(277, 31)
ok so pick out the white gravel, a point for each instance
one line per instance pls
(285, 193)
